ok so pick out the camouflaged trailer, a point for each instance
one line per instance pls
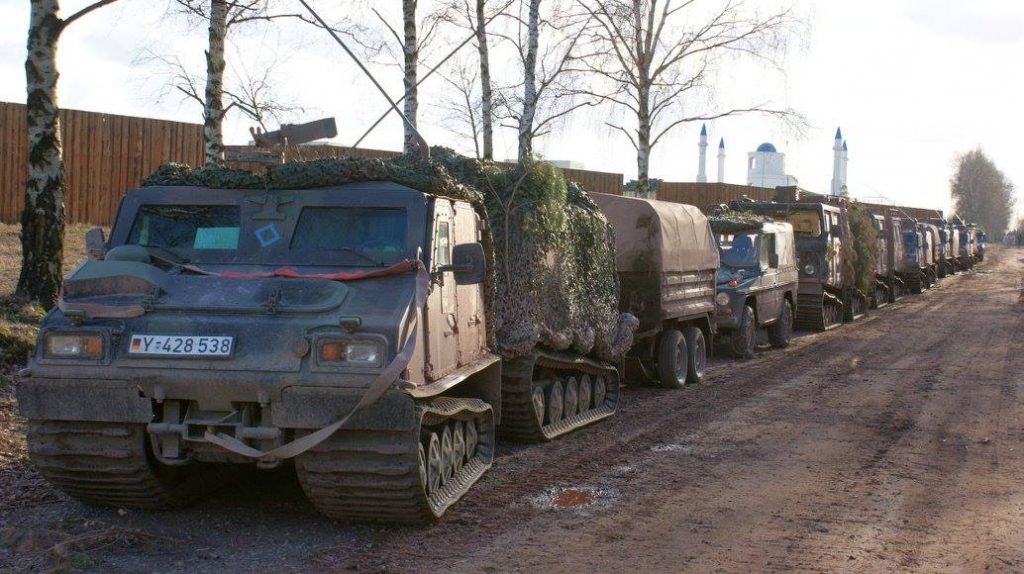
(756, 284)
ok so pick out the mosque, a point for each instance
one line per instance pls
(766, 166)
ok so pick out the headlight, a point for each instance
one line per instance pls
(809, 269)
(722, 299)
(85, 345)
(358, 353)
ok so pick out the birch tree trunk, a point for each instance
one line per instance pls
(213, 107)
(42, 220)
(643, 141)
(486, 98)
(529, 83)
(411, 51)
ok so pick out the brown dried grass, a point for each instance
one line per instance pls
(10, 253)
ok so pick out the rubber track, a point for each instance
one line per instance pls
(518, 419)
(881, 284)
(810, 316)
(374, 475)
(107, 464)
(914, 284)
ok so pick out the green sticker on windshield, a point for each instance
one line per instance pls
(216, 238)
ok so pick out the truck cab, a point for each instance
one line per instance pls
(756, 284)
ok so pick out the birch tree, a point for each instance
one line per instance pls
(416, 36)
(656, 61)
(42, 219)
(546, 38)
(476, 15)
(253, 94)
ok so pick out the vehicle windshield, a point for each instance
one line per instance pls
(340, 228)
(186, 226)
(245, 234)
(805, 222)
(740, 250)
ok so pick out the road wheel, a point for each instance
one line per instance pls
(556, 396)
(742, 340)
(698, 357)
(781, 332)
(673, 360)
(584, 393)
(572, 397)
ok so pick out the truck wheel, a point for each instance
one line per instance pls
(673, 359)
(742, 341)
(781, 332)
(698, 358)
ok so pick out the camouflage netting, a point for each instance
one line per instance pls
(551, 273)
(732, 221)
(860, 256)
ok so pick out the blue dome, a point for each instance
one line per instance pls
(767, 147)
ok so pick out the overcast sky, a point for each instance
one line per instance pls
(912, 83)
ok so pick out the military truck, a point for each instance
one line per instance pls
(757, 282)
(933, 247)
(889, 286)
(338, 316)
(967, 244)
(828, 294)
(915, 261)
(666, 260)
(944, 252)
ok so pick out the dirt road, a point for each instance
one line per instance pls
(896, 443)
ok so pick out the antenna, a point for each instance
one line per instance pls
(420, 142)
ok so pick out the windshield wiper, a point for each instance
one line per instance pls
(376, 262)
(174, 259)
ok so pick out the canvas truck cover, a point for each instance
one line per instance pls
(653, 235)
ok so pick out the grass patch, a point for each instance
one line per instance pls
(19, 319)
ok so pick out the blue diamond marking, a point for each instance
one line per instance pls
(268, 234)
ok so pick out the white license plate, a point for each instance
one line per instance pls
(180, 346)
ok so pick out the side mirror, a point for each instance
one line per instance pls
(95, 244)
(468, 264)
(773, 260)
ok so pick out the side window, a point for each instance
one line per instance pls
(442, 245)
(767, 249)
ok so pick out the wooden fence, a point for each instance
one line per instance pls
(104, 155)
(702, 195)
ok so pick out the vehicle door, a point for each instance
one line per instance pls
(442, 306)
(470, 313)
(769, 297)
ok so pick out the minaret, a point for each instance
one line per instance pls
(702, 174)
(837, 163)
(846, 160)
(721, 160)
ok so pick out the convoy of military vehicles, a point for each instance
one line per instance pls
(380, 324)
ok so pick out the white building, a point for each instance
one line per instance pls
(766, 167)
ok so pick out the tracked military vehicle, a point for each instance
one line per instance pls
(757, 283)
(828, 294)
(337, 315)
